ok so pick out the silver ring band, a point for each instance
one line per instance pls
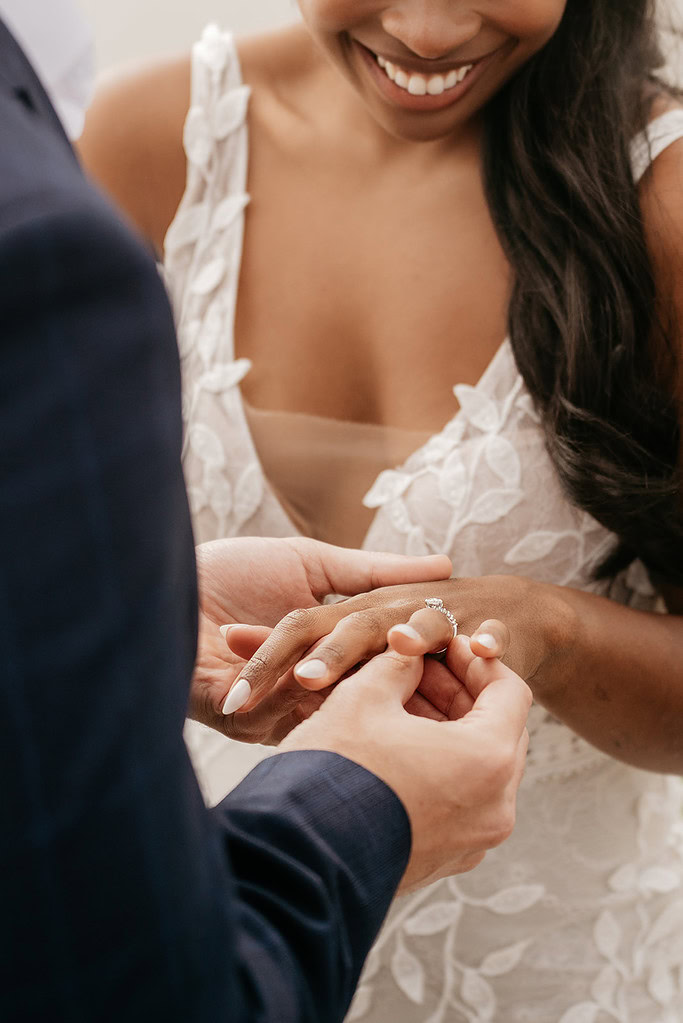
(436, 604)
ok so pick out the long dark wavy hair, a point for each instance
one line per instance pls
(590, 339)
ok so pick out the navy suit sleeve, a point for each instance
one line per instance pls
(121, 896)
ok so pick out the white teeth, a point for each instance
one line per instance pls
(423, 85)
(436, 85)
(417, 86)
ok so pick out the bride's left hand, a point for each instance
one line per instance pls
(320, 645)
(441, 695)
(259, 580)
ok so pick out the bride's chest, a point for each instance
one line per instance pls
(366, 303)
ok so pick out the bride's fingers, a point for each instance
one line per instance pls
(245, 640)
(426, 631)
(357, 637)
(491, 639)
(363, 634)
(287, 643)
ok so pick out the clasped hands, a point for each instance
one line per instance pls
(285, 651)
(448, 738)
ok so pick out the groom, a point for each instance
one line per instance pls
(121, 896)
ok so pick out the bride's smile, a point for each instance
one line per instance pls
(421, 90)
(400, 57)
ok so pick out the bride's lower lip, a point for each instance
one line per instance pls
(402, 98)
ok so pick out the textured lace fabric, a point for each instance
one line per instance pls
(578, 918)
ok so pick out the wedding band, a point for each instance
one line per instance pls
(436, 604)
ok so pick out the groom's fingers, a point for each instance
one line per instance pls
(426, 631)
(481, 675)
(245, 640)
(491, 639)
(501, 709)
(347, 572)
(389, 677)
(420, 707)
(444, 691)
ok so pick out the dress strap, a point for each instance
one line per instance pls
(658, 136)
(203, 245)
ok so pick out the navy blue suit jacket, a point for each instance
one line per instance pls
(121, 896)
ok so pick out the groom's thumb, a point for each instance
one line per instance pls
(389, 677)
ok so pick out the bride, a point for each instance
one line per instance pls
(426, 259)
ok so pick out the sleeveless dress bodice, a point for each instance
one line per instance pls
(578, 918)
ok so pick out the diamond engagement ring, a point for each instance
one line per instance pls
(436, 604)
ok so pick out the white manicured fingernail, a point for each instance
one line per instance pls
(237, 697)
(487, 640)
(225, 629)
(408, 631)
(311, 669)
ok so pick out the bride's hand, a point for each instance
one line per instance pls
(258, 580)
(353, 630)
(441, 695)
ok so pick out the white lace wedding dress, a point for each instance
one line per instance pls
(579, 917)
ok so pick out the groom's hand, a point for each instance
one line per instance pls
(259, 581)
(457, 780)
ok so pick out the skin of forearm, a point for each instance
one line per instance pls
(615, 676)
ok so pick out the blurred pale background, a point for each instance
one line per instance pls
(132, 29)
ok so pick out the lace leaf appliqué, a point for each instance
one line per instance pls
(432, 919)
(408, 973)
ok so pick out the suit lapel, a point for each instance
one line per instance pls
(18, 78)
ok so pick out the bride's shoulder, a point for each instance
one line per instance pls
(133, 140)
(132, 144)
